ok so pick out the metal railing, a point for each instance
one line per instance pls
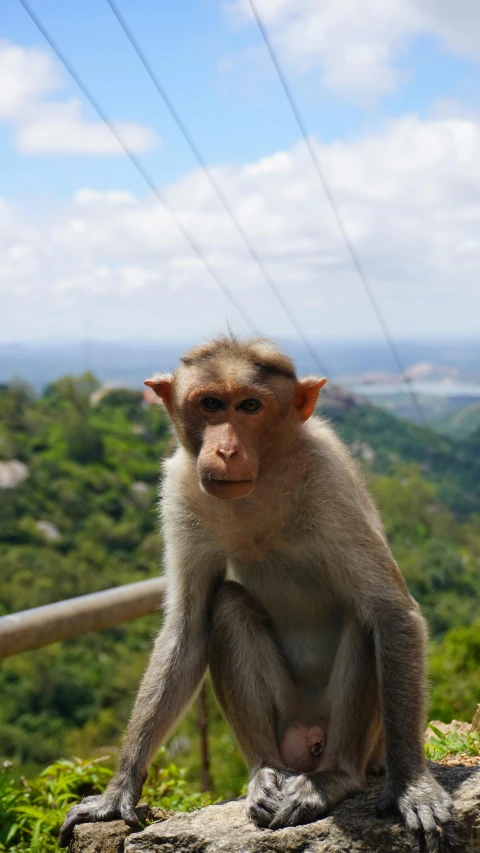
(52, 623)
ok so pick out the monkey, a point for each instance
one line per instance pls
(281, 582)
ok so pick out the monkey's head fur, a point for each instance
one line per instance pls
(236, 405)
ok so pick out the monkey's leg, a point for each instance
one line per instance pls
(353, 733)
(254, 690)
(426, 808)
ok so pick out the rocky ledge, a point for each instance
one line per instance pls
(223, 828)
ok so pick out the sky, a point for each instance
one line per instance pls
(390, 95)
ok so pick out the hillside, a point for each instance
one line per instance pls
(452, 464)
(439, 409)
(462, 423)
(78, 514)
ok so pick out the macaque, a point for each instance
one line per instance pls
(281, 582)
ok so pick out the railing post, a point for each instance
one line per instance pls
(52, 623)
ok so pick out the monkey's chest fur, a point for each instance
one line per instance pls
(306, 620)
(274, 559)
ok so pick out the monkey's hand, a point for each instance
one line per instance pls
(302, 800)
(115, 804)
(427, 811)
(264, 794)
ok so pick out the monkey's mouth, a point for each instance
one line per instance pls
(227, 490)
(228, 482)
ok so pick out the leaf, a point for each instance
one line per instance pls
(12, 831)
(436, 731)
(32, 811)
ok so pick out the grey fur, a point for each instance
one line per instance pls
(293, 598)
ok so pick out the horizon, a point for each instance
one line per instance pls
(364, 366)
(347, 340)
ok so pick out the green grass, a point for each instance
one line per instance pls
(32, 811)
(451, 743)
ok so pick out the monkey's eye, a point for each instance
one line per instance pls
(211, 404)
(251, 406)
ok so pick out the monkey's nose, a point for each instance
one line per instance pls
(226, 453)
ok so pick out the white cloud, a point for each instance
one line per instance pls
(62, 129)
(21, 252)
(87, 196)
(356, 45)
(26, 76)
(41, 125)
(408, 194)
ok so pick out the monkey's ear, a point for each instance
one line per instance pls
(162, 385)
(307, 395)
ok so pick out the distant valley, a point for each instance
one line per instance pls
(445, 376)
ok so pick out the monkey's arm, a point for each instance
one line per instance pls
(386, 608)
(370, 582)
(425, 806)
(177, 665)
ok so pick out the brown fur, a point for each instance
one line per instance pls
(287, 589)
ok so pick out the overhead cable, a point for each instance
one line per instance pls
(213, 181)
(147, 177)
(336, 212)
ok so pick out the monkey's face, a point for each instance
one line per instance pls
(236, 415)
(228, 430)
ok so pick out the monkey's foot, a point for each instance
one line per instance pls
(428, 813)
(263, 796)
(302, 801)
(113, 805)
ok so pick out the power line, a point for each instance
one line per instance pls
(136, 162)
(336, 212)
(213, 182)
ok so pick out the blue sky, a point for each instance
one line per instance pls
(379, 88)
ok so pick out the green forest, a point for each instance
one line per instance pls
(79, 514)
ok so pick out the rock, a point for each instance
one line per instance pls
(48, 530)
(12, 473)
(109, 836)
(352, 827)
(100, 837)
(364, 450)
(141, 492)
(456, 726)
(140, 488)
